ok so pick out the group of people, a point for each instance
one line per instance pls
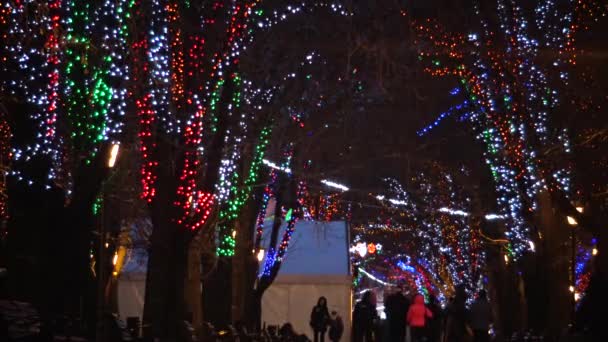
(427, 321)
(321, 321)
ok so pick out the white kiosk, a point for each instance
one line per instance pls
(316, 264)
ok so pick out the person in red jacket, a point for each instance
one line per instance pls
(416, 318)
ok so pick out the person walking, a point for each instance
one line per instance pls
(456, 323)
(481, 317)
(319, 319)
(365, 317)
(397, 306)
(417, 317)
(434, 324)
(336, 327)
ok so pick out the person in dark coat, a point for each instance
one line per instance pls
(456, 324)
(287, 333)
(336, 327)
(397, 306)
(365, 317)
(319, 319)
(481, 317)
(434, 324)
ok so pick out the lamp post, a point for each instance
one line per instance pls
(103, 245)
(572, 288)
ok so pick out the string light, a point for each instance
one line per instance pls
(335, 185)
(510, 97)
(447, 113)
(275, 166)
(34, 47)
(454, 212)
(452, 248)
(241, 195)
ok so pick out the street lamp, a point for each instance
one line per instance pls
(532, 246)
(260, 255)
(113, 155)
(101, 278)
(572, 221)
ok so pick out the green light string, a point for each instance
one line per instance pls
(100, 99)
(213, 103)
(237, 196)
(236, 95)
(240, 195)
(227, 183)
(76, 72)
(88, 94)
(97, 205)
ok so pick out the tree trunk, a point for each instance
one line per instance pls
(239, 269)
(256, 309)
(177, 307)
(245, 265)
(160, 259)
(167, 256)
(193, 285)
(556, 265)
(79, 296)
(217, 293)
(165, 308)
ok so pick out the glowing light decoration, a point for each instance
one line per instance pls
(116, 51)
(447, 113)
(583, 270)
(86, 63)
(74, 54)
(234, 138)
(510, 96)
(240, 195)
(221, 77)
(456, 212)
(268, 192)
(275, 166)
(87, 92)
(159, 71)
(291, 218)
(335, 185)
(34, 47)
(449, 247)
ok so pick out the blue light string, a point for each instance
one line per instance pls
(455, 91)
(270, 259)
(405, 267)
(442, 116)
(583, 257)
